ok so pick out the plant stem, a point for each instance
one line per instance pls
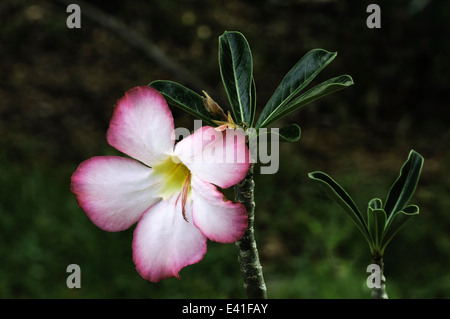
(247, 251)
(379, 293)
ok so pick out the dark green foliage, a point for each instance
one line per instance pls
(236, 69)
(185, 99)
(382, 223)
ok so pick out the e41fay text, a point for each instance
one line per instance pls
(230, 308)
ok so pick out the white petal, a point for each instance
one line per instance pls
(114, 191)
(142, 126)
(219, 219)
(164, 242)
(221, 158)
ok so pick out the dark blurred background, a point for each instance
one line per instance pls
(57, 92)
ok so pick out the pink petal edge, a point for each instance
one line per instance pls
(142, 125)
(217, 218)
(215, 158)
(164, 242)
(113, 191)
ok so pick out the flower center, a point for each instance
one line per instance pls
(175, 177)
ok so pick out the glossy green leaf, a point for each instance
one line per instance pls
(253, 106)
(341, 197)
(398, 220)
(236, 69)
(405, 185)
(183, 98)
(295, 80)
(321, 90)
(290, 133)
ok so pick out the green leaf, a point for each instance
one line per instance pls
(376, 219)
(253, 106)
(183, 98)
(340, 196)
(295, 80)
(398, 220)
(289, 133)
(236, 69)
(405, 185)
(376, 203)
(330, 86)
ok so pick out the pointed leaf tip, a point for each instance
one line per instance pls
(405, 185)
(321, 90)
(290, 133)
(303, 72)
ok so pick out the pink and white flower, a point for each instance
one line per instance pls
(168, 189)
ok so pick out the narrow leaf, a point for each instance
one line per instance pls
(183, 98)
(405, 185)
(340, 196)
(398, 220)
(321, 90)
(376, 219)
(253, 106)
(295, 80)
(236, 69)
(289, 133)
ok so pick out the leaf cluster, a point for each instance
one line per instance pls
(236, 69)
(381, 222)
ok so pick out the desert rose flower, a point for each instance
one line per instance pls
(168, 189)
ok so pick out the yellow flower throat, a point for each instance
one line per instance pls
(176, 179)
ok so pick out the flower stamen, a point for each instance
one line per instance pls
(184, 195)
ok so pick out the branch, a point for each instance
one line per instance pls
(247, 251)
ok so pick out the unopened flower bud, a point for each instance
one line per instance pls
(213, 107)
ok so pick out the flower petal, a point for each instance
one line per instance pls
(114, 191)
(164, 242)
(218, 219)
(142, 125)
(221, 158)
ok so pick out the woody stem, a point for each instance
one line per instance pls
(247, 251)
(379, 293)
